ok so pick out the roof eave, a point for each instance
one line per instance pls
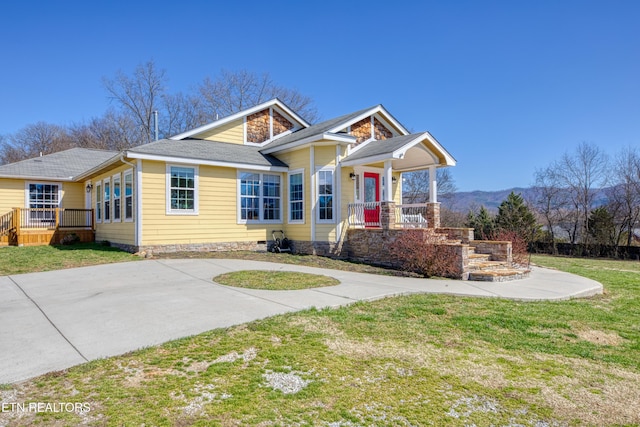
(240, 114)
(339, 138)
(38, 178)
(194, 161)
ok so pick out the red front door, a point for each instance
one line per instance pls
(371, 196)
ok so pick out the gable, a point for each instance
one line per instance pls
(373, 127)
(258, 125)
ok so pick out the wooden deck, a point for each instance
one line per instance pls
(38, 227)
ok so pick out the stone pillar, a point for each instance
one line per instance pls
(433, 215)
(388, 215)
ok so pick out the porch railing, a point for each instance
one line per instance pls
(411, 216)
(364, 214)
(54, 218)
(6, 223)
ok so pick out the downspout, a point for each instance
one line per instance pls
(312, 184)
(137, 168)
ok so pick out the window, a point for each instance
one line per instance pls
(128, 196)
(117, 210)
(260, 197)
(296, 197)
(107, 200)
(98, 202)
(271, 197)
(43, 199)
(182, 197)
(325, 195)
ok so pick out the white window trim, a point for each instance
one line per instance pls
(27, 200)
(261, 219)
(104, 201)
(115, 177)
(99, 200)
(124, 205)
(333, 194)
(196, 187)
(289, 220)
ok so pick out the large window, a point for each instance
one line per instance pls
(43, 199)
(182, 197)
(107, 200)
(296, 197)
(260, 197)
(325, 195)
(117, 209)
(128, 195)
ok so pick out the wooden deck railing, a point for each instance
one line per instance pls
(6, 223)
(52, 219)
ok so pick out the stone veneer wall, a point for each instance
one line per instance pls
(258, 126)
(465, 235)
(280, 123)
(499, 250)
(372, 246)
(381, 132)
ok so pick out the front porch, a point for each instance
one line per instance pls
(42, 226)
(374, 228)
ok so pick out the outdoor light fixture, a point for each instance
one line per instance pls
(89, 188)
(352, 176)
(394, 179)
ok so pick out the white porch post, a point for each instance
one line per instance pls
(388, 196)
(433, 185)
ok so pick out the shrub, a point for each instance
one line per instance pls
(421, 252)
(519, 245)
(70, 239)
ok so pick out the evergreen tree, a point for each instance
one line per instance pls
(515, 216)
(602, 227)
(483, 223)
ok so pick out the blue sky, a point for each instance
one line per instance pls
(505, 86)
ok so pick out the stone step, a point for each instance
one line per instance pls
(499, 275)
(475, 265)
(474, 257)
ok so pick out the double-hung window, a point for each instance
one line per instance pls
(117, 211)
(107, 200)
(182, 190)
(128, 195)
(325, 195)
(260, 197)
(296, 197)
(98, 202)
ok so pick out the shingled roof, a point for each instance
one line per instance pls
(63, 165)
(204, 150)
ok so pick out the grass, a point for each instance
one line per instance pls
(274, 280)
(17, 260)
(415, 360)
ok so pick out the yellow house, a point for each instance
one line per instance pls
(229, 184)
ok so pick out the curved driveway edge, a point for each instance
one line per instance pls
(58, 319)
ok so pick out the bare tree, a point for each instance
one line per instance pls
(112, 131)
(182, 112)
(549, 199)
(34, 140)
(138, 96)
(581, 173)
(624, 195)
(415, 186)
(233, 91)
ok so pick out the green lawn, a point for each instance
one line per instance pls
(274, 280)
(417, 360)
(16, 260)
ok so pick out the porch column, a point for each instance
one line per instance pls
(388, 179)
(433, 185)
(388, 215)
(433, 215)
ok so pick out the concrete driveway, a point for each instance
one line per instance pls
(54, 320)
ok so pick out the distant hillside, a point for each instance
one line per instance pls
(463, 201)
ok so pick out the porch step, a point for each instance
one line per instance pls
(485, 264)
(499, 275)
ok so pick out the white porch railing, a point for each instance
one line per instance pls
(411, 216)
(364, 214)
